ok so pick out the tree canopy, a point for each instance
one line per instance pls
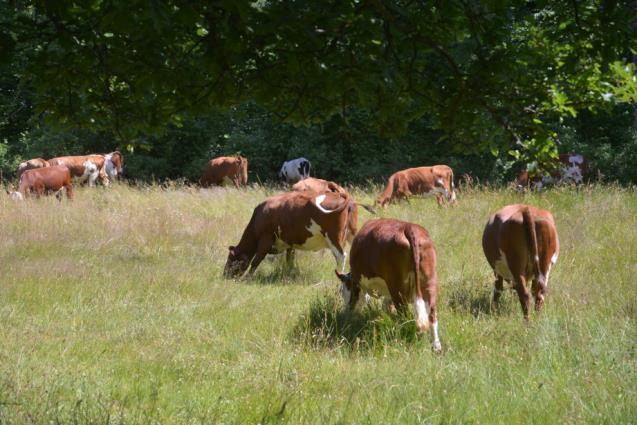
(489, 74)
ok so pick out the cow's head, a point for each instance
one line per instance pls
(350, 291)
(236, 264)
(118, 162)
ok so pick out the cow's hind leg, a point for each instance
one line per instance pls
(523, 294)
(289, 258)
(69, 191)
(539, 290)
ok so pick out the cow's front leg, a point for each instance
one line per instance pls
(263, 247)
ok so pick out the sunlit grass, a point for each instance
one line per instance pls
(113, 310)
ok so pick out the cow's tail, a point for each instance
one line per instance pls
(415, 253)
(387, 194)
(529, 224)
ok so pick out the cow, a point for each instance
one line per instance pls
(436, 180)
(84, 167)
(30, 165)
(295, 170)
(306, 220)
(320, 185)
(395, 260)
(114, 165)
(42, 181)
(225, 170)
(569, 168)
(521, 244)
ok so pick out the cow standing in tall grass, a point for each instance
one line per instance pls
(41, 181)
(436, 180)
(521, 244)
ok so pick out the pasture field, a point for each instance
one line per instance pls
(113, 309)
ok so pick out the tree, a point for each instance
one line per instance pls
(490, 74)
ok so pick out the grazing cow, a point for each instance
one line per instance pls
(308, 221)
(569, 168)
(225, 170)
(42, 181)
(295, 170)
(521, 243)
(85, 167)
(436, 180)
(114, 163)
(320, 185)
(30, 165)
(395, 260)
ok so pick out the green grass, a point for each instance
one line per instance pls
(113, 310)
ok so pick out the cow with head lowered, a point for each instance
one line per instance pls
(436, 180)
(41, 181)
(295, 170)
(521, 244)
(395, 260)
(85, 167)
(225, 170)
(308, 221)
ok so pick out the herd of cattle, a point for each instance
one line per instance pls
(389, 258)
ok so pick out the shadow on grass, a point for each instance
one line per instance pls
(326, 325)
(464, 297)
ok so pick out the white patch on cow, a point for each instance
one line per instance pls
(502, 267)
(375, 287)
(17, 196)
(422, 312)
(434, 333)
(316, 241)
(91, 172)
(554, 258)
(453, 196)
(319, 199)
(576, 159)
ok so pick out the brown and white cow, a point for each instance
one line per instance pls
(320, 185)
(30, 165)
(436, 180)
(307, 220)
(42, 181)
(114, 165)
(225, 170)
(570, 168)
(521, 244)
(85, 167)
(395, 260)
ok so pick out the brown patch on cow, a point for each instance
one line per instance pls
(233, 168)
(45, 180)
(396, 260)
(437, 179)
(287, 221)
(521, 243)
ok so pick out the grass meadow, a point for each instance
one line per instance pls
(113, 309)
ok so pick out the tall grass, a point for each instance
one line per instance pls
(113, 310)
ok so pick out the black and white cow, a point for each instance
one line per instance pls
(295, 170)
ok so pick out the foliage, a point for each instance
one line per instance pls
(487, 74)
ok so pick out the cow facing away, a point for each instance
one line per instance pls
(308, 221)
(225, 170)
(84, 167)
(30, 165)
(295, 170)
(570, 168)
(114, 165)
(436, 180)
(395, 260)
(521, 244)
(43, 181)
